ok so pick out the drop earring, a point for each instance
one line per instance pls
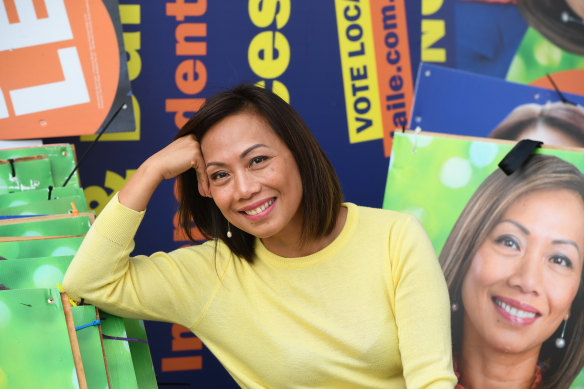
(561, 342)
(229, 234)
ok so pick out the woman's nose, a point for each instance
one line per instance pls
(246, 185)
(528, 274)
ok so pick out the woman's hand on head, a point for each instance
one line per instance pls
(181, 155)
(176, 158)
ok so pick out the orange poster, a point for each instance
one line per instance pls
(62, 68)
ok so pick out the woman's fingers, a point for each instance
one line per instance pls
(189, 148)
(202, 178)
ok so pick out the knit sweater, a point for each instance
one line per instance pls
(370, 310)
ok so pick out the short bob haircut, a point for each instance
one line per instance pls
(321, 192)
(565, 117)
(555, 20)
(480, 215)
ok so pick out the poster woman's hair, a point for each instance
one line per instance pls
(481, 213)
(321, 191)
(564, 117)
(555, 20)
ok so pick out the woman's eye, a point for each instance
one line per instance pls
(561, 260)
(218, 175)
(507, 241)
(257, 160)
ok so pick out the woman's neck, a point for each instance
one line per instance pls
(483, 367)
(289, 245)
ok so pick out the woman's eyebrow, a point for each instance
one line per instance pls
(250, 149)
(516, 224)
(242, 155)
(555, 241)
(567, 241)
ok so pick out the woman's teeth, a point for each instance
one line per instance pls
(514, 311)
(261, 208)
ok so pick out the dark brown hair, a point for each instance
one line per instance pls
(321, 191)
(555, 20)
(484, 209)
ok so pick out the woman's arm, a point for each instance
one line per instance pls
(102, 272)
(422, 309)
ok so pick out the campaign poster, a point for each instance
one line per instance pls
(508, 241)
(63, 69)
(458, 102)
(525, 41)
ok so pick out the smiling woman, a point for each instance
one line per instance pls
(252, 177)
(513, 264)
(293, 288)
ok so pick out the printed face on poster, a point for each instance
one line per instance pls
(510, 245)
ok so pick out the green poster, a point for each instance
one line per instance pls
(48, 207)
(537, 56)
(141, 357)
(32, 196)
(90, 346)
(432, 176)
(118, 354)
(22, 174)
(66, 225)
(61, 156)
(45, 272)
(53, 247)
(36, 352)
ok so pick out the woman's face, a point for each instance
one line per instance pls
(526, 273)
(253, 176)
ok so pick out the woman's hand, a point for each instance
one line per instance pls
(179, 156)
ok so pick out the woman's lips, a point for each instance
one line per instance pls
(258, 210)
(515, 311)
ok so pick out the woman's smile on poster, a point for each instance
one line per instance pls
(526, 273)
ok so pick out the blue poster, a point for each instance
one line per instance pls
(346, 66)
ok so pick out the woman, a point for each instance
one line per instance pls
(558, 124)
(293, 289)
(513, 265)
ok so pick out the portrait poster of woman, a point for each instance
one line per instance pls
(518, 40)
(511, 248)
(459, 102)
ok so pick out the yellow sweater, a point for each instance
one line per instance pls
(368, 311)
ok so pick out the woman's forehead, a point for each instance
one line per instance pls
(236, 133)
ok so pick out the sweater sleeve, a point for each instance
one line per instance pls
(421, 309)
(163, 287)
